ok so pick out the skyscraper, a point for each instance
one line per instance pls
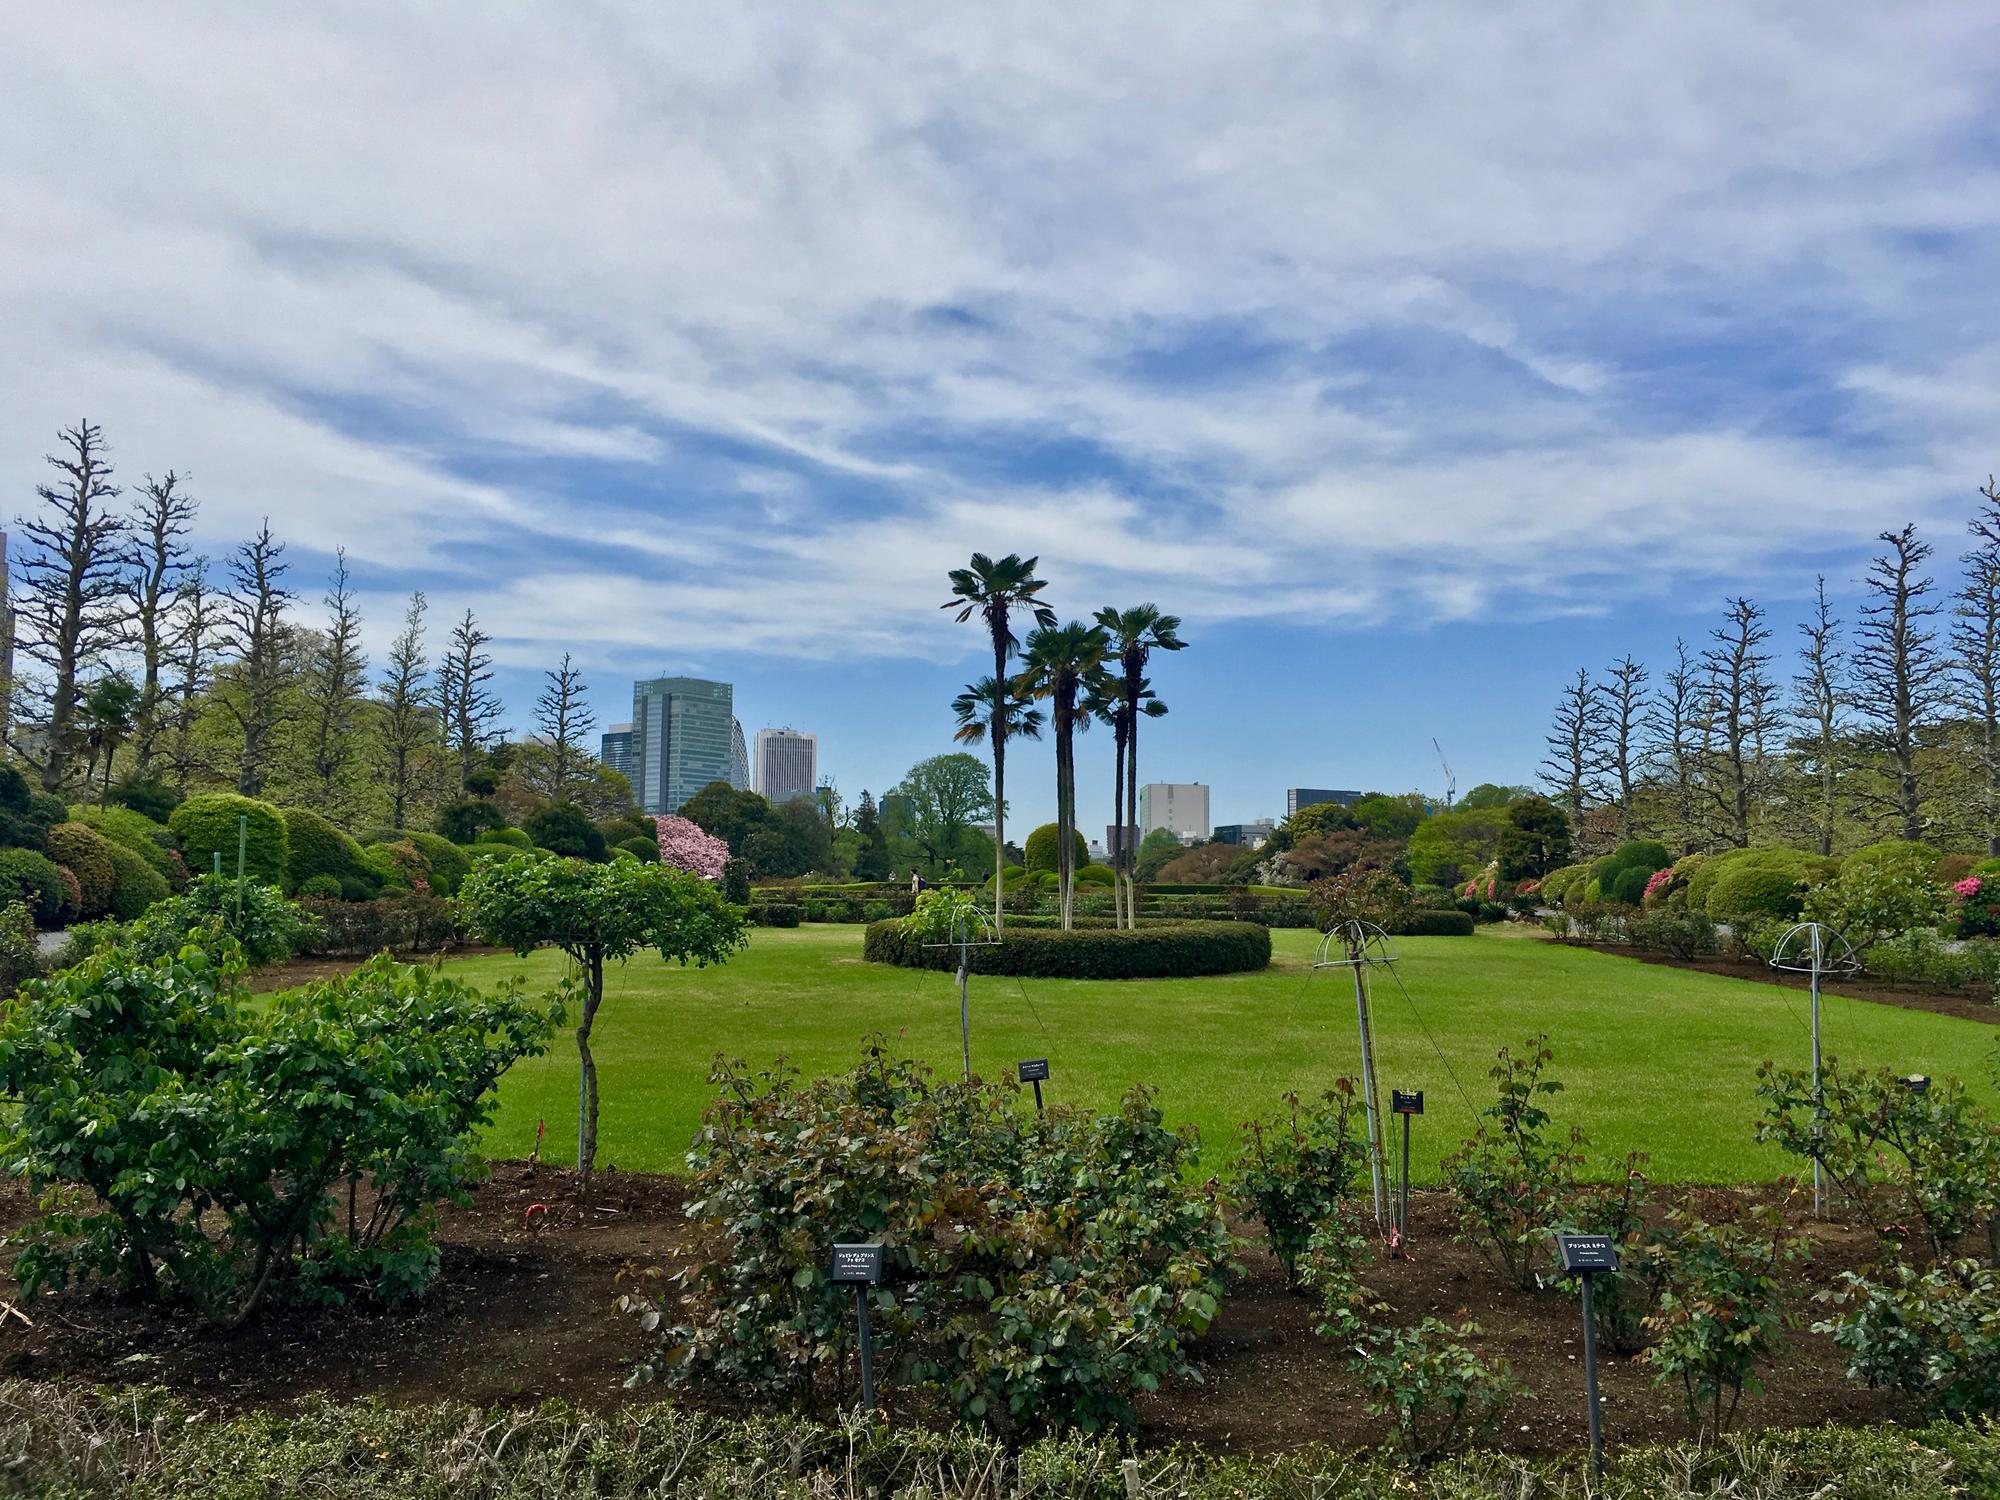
(739, 758)
(681, 740)
(786, 764)
(614, 748)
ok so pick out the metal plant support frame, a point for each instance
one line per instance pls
(1358, 945)
(964, 939)
(1814, 948)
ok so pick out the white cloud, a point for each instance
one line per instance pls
(733, 328)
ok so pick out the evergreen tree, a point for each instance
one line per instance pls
(255, 693)
(336, 682)
(563, 722)
(408, 720)
(872, 863)
(469, 708)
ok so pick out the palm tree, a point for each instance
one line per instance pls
(1135, 634)
(994, 590)
(1058, 664)
(974, 709)
(106, 715)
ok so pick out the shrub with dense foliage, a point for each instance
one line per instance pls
(226, 1152)
(1042, 1269)
(1439, 1396)
(1934, 1334)
(263, 925)
(86, 854)
(1295, 1171)
(1039, 853)
(1721, 1308)
(314, 848)
(207, 825)
(470, 819)
(1912, 1163)
(134, 830)
(400, 922)
(448, 863)
(20, 959)
(1513, 1177)
(1156, 950)
(1879, 898)
(31, 877)
(26, 815)
(563, 828)
(135, 884)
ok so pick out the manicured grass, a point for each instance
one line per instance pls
(1655, 1059)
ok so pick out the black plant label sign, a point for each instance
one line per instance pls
(1035, 1070)
(1585, 1253)
(857, 1264)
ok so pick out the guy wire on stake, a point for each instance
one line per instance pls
(1815, 949)
(1357, 945)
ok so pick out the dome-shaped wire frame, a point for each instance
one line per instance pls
(1814, 947)
(977, 934)
(1346, 945)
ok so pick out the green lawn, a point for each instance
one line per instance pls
(1655, 1059)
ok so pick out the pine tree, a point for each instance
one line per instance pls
(468, 708)
(263, 670)
(563, 722)
(408, 717)
(872, 862)
(336, 684)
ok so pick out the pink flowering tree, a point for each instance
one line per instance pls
(684, 846)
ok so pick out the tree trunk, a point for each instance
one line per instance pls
(1119, 904)
(1130, 816)
(999, 781)
(586, 1133)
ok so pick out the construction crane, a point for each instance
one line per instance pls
(1450, 781)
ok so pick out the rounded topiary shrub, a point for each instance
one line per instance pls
(562, 828)
(25, 814)
(206, 826)
(1759, 884)
(1096, 875)
(315, 848)
(86, 854)
(1425, 922)
(449, 863)
(31, 877)
(1042, 846)
(1156, 950)
(512, 838)
(398, 864)
(646, 851)
(135, 885)
(137, 832)
(326, 887)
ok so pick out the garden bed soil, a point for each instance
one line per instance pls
(523, 1310)
(297, 971)
(1965, 1004)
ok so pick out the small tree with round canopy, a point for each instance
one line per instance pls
(595, 914)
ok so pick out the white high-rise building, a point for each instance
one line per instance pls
(785, 765)
(1180, 807)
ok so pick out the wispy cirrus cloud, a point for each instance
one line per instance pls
(686, 330)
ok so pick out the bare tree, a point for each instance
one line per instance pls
(1623, 695)
(1821, 714)
(191, 643)
(70, 597)
(1738, 708)
(1897, 673)
(1975, 640)
(336, 680)
(1674, 741)
(1575, 742)
(257, 637)
(562, 723)
(158, 562)
(468, 708)
(409, 719)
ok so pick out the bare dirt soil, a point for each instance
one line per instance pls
(523, 1310)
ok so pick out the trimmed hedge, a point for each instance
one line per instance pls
(774, 914)
(137, 832)
(135, 885)
(315, 847)
(31, 877)
(449, 862)
(1159, 950)
(1423, 922)
(86, 854)
(71, 1439)
(206, 826)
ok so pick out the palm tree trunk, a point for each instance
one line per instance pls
(1132, 818)
(999, 712)
(1065, 823)
(1117, 816)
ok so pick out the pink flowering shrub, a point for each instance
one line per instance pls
(684, 846)
(1976, 905)
(1967, 888)
(1660, 881)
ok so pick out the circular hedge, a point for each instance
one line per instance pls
(1039, 853)
(206, 826)
(86, 854)
(135, 884)
(317, 850)
(1157, 950)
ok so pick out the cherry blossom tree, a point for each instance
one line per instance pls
(684, 846)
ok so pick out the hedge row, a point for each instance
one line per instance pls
(1160, 950)
(74, 1441)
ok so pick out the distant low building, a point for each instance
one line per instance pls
(1111, 841)
(1252, 835)
(1180, 807)
(1311, 796)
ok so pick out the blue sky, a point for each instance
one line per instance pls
(1416, 355)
